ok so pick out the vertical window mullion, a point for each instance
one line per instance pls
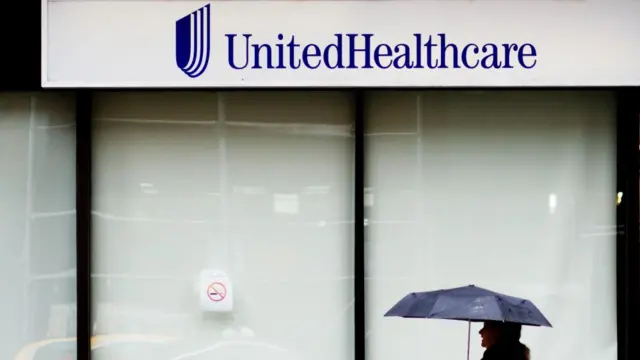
(359, 228)
(84, 134)
(628, 252)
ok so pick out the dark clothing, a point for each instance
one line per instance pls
(506, 351)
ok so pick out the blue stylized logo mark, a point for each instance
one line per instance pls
(193, 43)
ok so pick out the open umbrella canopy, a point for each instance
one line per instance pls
(469, 303)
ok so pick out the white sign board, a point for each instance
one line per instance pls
(341, 43)
(215, 291)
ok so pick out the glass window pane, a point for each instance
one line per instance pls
(255, 187)
(37, 223)
(506, 190)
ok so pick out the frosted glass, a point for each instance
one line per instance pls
(37, 225)
(513, 191)
(258, 185)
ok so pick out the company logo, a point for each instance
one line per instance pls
(341, 51)
(193, 42)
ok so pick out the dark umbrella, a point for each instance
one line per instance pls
(471, 304)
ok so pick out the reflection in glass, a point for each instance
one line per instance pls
(37, 224)
(254, 185)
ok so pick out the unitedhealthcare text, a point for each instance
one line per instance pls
(363, 51)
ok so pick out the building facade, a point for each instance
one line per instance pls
(317, 209)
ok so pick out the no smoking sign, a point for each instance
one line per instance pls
(216, 292)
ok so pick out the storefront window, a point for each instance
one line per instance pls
(505, 190)
(253, 190)
(37, 224)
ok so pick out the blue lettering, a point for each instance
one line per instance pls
(507, 54)
(256, 55)
(382, 51)
(310, 52)
(403, 60)
(231, 52)
(432, 63)
(490, 60)
(349, 51)
(443, 53)
(294, 62)
(418, 51)
(326, 54)
(353, 49)
(280, 48)
(465, 57)
(527, 50)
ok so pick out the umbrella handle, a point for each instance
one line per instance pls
(469, 340)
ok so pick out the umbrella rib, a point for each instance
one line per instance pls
(498, 303)
(434, 314)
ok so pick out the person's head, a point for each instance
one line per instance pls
(495, 331)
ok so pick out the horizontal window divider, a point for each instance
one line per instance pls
(392, 134)
(107, 216)
(48, 214)
(391, 222)
(297, 128)
(157, 121)
(54, 127)
(67, 274)
(287, 128)
(213, 222)
(251, 278)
